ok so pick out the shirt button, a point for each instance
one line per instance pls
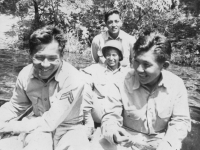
(45, 99)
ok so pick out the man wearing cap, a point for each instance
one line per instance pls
(99, 76)
(113, 23)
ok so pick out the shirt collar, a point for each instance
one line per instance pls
(108, 37)
(107, 68)
(165, 81)
(58, 75)
(132, 81)
(31, 73)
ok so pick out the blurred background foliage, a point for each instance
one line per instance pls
(81, 20)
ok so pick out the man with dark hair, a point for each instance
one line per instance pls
(113, 23)
(149, 110)
(54, 90)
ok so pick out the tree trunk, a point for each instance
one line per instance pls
(37, 15)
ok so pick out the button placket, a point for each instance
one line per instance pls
(45, 97)
(150, 113)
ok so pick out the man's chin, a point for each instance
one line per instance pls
(111, 65)
(115, 31)
(43, 77)
(143, 82)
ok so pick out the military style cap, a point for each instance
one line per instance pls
(114, 44)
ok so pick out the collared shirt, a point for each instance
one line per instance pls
(163, 110)
(127, 40)
(55, 103)
(99, 77)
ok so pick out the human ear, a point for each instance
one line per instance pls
(166, 64)
(120, 23)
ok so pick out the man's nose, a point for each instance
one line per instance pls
(140, 68)
(114, 24)
(45, 63)
(110, 57)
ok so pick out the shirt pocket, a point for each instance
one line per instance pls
(35, 101)
(133, 113)
(164, 108)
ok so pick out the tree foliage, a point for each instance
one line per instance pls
(83, 19)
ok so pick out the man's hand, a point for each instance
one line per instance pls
(122, 137)
(2, 126)
(5, 127)
(164, 145)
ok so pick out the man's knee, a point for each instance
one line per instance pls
(38, 141)
(12, 143)
(75, 139)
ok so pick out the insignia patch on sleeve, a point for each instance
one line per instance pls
(68, 96)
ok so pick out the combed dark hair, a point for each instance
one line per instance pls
(46, 35)
(110, 12)
(162, 45)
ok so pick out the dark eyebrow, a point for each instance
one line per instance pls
(142, 61)
(46, 56)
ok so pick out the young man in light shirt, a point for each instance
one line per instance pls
(113, 23)
(150, 109)
(54, 89)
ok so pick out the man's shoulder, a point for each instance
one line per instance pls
(25, 72)
(94, 68)
(171, 79)
(169, 75)
(69, 76)
(127, 36)
(68, 69)
(125, 33)
(100, 36)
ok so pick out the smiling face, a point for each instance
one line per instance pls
(114, 24)
(112, 58)
(148, 69)
(47, 59)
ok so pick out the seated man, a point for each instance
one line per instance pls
(150, 109)
(54, 89)
(99, 76)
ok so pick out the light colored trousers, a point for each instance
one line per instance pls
(100, 143)
(75, 139)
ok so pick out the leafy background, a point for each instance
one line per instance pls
(81, 20)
